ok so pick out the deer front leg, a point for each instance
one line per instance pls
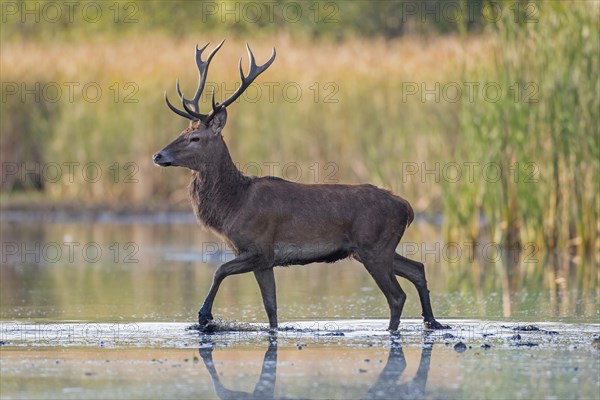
(246, 262)
(266, 282)
(379, 267)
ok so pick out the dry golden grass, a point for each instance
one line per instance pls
(368, 73)
(154, 57)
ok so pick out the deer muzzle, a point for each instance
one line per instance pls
(160, 159)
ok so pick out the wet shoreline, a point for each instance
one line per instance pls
(347, 332)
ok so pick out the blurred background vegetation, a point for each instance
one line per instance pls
(483, 113)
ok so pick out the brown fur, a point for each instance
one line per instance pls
(271, 222)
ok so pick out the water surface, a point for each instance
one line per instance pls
(161, 272)
(312, 359)
(95, 309)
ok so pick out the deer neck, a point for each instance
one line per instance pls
(217, 190)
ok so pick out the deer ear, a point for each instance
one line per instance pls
(217, 122)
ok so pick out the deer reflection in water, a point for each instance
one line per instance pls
(387, 385)
(265, 387)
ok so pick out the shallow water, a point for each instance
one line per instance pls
(94, 310)
(311, 359)
(145, 271)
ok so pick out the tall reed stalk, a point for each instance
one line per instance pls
(542, 134)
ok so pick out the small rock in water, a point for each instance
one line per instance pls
(515, 337)
(362, 371)
(336, 333)
(448, 336)
(533, 328)
(596, 343)
(526, 344)
(527, 328)
(486, 346)
(460, 347)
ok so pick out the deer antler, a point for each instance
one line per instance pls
(193, 113)
(254, 72)
(192, 107)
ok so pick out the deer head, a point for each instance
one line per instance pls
(202, 141)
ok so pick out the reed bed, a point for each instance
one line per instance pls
(543, 135)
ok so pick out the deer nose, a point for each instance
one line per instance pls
(156, 158)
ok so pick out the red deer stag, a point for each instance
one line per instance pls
(271, 222)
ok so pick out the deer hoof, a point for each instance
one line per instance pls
(204, 320)
(434, 325)
(394, 333)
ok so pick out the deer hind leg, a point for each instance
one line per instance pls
(266, 282)
(382, 272)
(414, 271)
(246, 262)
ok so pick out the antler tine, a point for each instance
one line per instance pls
(175, 110)
(179, 92)
(201, 117)
(185, 103)
(250, 57)
(215, 106)
(202, 73)
(253, 73)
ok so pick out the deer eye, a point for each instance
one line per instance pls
(195, 139)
